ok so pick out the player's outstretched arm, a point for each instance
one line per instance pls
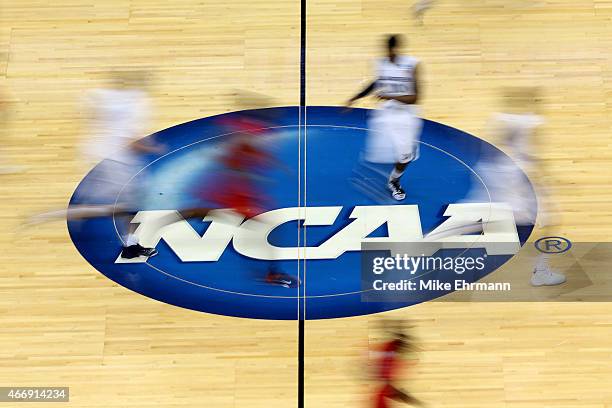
(366, 91)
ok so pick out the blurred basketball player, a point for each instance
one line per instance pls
(242, 159)
(388, 360)
(517, 126)
(515, 129)
(237, 186)
(394, 128)
(118, 117)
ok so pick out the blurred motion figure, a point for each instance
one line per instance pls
(239, 175)
(117, 118)
(517, 126)
(395, 127)
(386, 362)
(515, 129)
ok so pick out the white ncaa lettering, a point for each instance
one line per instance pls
(251, 238)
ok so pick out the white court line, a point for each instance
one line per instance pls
(299, 195)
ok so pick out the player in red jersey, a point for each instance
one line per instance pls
(236, 186)
(242, 161)
(388, 362)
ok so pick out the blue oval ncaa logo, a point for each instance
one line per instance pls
(216, 267)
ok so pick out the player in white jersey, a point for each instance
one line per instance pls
(515, 129)
(118, 116)
(395, 127)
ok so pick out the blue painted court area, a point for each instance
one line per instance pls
(327, 152)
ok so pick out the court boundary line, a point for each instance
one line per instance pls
(302, 284)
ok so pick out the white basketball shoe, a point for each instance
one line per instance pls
(546, 277)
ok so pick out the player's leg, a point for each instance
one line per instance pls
(403, 129)
(403, 396)
(543, 273)
(250, 203)
(533, 213)
(131, 246)
(131, 196)
(393, 183)
(76, 212)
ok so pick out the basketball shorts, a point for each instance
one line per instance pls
(393, 136)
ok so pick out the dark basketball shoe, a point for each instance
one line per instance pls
(397, 192)
(134, 251)
(275, 277)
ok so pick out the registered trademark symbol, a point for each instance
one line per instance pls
(553, 245)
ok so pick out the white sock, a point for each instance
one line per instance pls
(131, 240)
(395, 174)
(541, 263)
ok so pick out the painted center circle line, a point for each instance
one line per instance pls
(170, 275)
